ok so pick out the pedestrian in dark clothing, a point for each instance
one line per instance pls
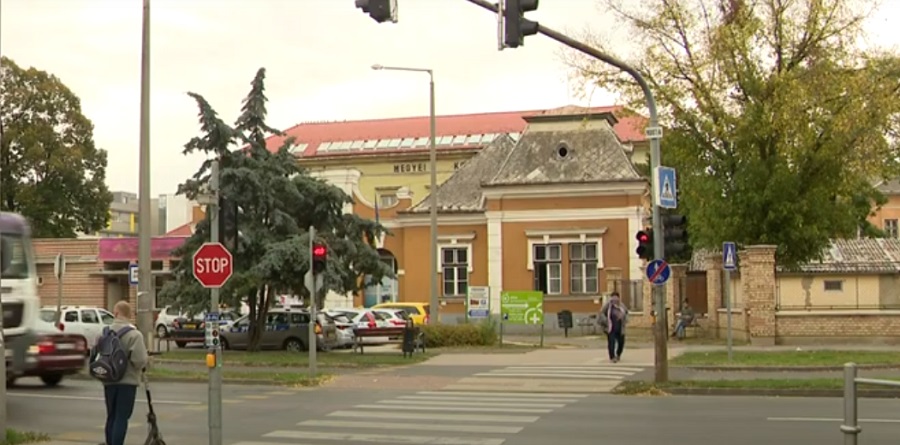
(120, 395)
(612, 317)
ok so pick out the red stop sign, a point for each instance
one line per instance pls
(213, 265)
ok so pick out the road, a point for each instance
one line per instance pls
(273, 416)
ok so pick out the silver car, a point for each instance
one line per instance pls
(284, 329)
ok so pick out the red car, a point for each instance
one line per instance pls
(52, 356)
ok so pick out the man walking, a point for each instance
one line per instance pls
(118, 360)
(612, 317)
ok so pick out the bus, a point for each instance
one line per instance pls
(19, 297)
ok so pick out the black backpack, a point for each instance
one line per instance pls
(109, 360)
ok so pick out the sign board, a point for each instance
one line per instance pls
(59, 266)
(478, 302)
(133, 274)
(729, 256)
(653, 132)
(666, 187)
(522, 307)
(212, 329)
(658, 272)
(213, 265)
(310, 285)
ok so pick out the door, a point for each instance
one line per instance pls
(238, 334)
(276, 330)
(92, 327)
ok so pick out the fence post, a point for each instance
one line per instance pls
(850, 428)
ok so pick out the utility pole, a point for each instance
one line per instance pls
(214, 402)
(313, 293)
(146, 287)
(3, 369)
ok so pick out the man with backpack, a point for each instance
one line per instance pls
(117, 360)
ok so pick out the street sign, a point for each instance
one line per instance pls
(653, 132)
(522, 307)
(478, 303)
(59, 266)
(308, 281)
(658, 272)
(212, 329)
(666, 191)
(729, 256)
(213, 265)
(133, 274)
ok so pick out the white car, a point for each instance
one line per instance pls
(394, 317)
(85, 321)
(165, 320)
(363, 319)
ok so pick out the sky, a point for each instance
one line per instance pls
(317, 54)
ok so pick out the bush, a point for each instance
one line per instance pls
(14, 437)
(454, 335)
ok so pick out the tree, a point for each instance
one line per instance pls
(277, 201)
(776, 120)
(52, 173)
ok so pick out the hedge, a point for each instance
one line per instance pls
(454, 335)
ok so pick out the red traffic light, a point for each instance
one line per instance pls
(319, 251)
(643, 237)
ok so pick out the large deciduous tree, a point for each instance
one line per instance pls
(278, 201)
(52, 173)
(777, 120)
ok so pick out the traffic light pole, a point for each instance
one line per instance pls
(312, 308)
(214, 404)
(661, 361)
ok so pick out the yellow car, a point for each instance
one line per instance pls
(418, 312)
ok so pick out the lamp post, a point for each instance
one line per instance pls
(435, 303)
(146, 288)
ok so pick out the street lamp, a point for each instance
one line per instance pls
(435, 303)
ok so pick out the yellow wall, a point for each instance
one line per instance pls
(803, 291)
(891, 210)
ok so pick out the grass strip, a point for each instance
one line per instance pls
(274, 359)
(787, 358)
(14, 437)
(640, 387)
(293, 379)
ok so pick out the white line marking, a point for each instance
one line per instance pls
(504, 394)
(568, 376)
(413, 426)
(441, 416)
(827, 419)
(94, 399)
(490, 399)
(471, 403)
(579, 368)
(474, 410)
(384, 438)
(560, 372)
(268, 443)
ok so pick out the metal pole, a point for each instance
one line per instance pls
(659, 292)
(214, 404)
(434, 312)
(3, 370)
(728, 315)
(146, 288)
(58, 270)
(850, 428)
(312, 308)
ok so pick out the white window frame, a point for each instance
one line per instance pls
(893, 232)
(457, 267)
(459, 241)
(551, 265)
(583, 265)
(386, 200)
(583, 239)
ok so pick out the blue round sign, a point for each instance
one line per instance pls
(658, 272)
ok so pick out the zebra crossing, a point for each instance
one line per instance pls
(426, 417)
(552, 378)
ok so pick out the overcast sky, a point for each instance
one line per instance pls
(317, 54)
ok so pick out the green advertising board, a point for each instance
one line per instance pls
(522, 307)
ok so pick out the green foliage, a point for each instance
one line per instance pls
(278, 201)
(776, 120)
(52, 173)
(14, 437)
(454, 335)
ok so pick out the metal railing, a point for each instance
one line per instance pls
(850, 427)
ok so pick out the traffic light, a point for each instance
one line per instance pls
(319, 258)
(675, 234)
(228, 224)
(380, 10)
(645, 244)
(515, 25)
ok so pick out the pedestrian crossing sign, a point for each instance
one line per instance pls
(665, 187)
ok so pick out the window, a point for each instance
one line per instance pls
(106, 317)
(89, 316)
(548, 268)
(173, 311)
(408, 142)
(387, 200)
(834, 285)
(455, 270)
(356, 145)
(422, 142)
(370, 144)
(71, 317)
(299, 318)
(890, 228)
(458, 140)
(583, 268)
(383, 143)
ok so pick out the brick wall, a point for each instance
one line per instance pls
(81, 284)
(839, 326)
(758, 289)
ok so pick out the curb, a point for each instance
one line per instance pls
(248, 382)
(726, 368)
(766, 392)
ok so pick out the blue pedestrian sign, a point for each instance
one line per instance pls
(729, 256)
(133, 274)
(666, 192)
(658, 272)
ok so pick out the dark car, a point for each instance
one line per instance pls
(192, 329)
(52, 356)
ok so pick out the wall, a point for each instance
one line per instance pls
(808, 291)
(891, 210)
(82, 283)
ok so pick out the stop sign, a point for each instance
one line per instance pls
(213, 265)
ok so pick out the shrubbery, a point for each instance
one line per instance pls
(14, 437)
(454, 335)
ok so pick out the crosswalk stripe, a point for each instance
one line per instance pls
(469, 403)
(442, 416)
(492, 399)
(567, 371)
(568, 376)
(491, 429)
(268, 443)
(448, 408)
(517, 395)
(593, 387)
(385, 438)
(581, 368)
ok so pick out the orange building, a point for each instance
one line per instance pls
(886, 218)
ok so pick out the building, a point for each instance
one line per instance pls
(123, 217)
(886, 218)
(178, 214)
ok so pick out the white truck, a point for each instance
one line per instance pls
(19, 299)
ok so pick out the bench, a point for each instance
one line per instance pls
(390, 332)
(694, 325)
(181, 342)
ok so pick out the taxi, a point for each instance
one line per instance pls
(418, 312)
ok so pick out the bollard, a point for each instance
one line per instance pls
(850, 428)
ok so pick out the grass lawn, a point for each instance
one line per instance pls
(286, 379)
(292, 359)
(14, 437)
(787, 358)
(636, 387)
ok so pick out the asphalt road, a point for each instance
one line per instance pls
(273, 416)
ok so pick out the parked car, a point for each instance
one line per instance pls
(417, 311)
(165, 320)
(85, 321)
(192, 328)
(344, 326)
(53, 355)
(365, 319)
(284, 329)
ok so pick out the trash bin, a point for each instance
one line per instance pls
(564, 320)
(410, 334)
